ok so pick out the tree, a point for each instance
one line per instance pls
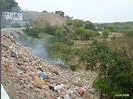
(61, 13)
(9, 5)
(89, 25)
(114, 66)
(111, 28)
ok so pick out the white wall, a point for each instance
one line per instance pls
(12, 16)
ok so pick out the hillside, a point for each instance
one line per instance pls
(45, 17)
(20, 74)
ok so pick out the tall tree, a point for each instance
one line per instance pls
(9, 5)
(89, 25)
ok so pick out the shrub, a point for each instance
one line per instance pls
(73, 67)
(50, 29)
(33, 32)
(105, 33)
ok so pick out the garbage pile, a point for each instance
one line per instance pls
(26, 76)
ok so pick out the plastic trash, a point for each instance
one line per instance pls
(67, 96)
(59, 87)
(51, 88)
(41, 74)
(81, 92)
(4, 94)
(40, 69)
(58, 98)
(13, 54)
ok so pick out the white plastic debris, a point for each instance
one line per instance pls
(58, 98)
(4, 94)
(67, 96)
(59, 87)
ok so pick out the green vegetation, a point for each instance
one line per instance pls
(105, 33)
(113, 65)
(61, 13)
(77, 23)
(61, 51)
(79, 44)
(85, 34)
(33, 32)
(73, 67)
(89, 25)
(9, 5)
(111, 28)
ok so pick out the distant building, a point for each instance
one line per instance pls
(12, 16)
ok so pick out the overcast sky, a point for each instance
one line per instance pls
(93, 10)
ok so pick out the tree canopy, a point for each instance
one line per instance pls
(9, 5)
(61, 13)
(114, 67)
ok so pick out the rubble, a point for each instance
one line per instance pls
(21, 79)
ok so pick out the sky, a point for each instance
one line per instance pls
(96, 11)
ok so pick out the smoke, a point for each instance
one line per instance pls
(37, 46)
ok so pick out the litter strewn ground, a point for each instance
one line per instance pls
(26, 76)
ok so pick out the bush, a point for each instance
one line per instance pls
(33, 32)
(76, 23)
(85, 34)
(58, 50)
(60, 32)
(73, 67)
(50, 29)
(105, 33)
(64, 40)
(129, 33)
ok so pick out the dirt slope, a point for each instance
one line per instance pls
(45, 17)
